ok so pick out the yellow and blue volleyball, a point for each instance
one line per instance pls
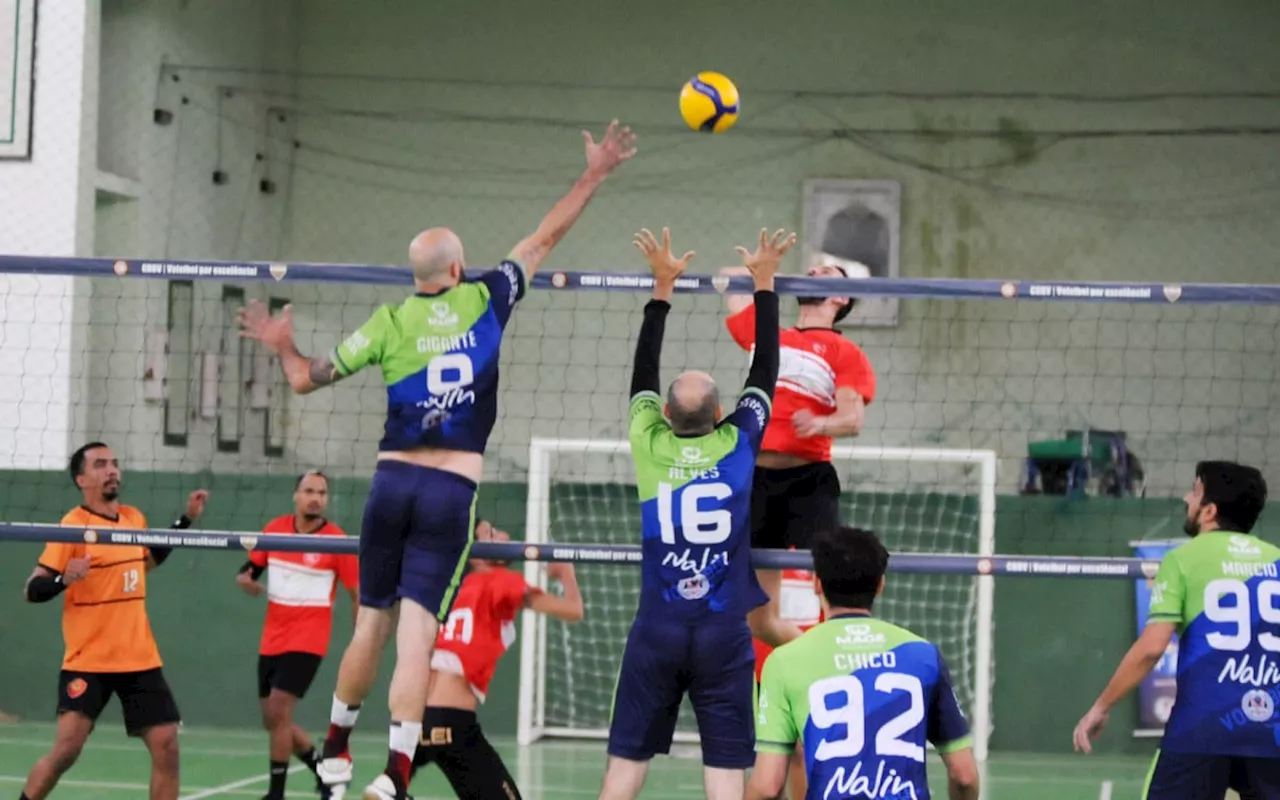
(709, 103)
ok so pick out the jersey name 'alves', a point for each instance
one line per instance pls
(695, 499)
(439, 357)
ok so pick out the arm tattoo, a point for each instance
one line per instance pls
(321, 371)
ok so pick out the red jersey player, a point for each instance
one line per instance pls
(825, 383)
(480, 628)
(295, 637)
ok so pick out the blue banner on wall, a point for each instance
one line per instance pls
(1156, 694)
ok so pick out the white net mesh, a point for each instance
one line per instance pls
(917, 502)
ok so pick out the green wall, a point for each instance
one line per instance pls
(1057, 640)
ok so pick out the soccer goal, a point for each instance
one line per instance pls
(920, 500)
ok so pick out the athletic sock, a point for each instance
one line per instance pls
(403, 744)
(342, 718)
(310, 758)
(279, 774)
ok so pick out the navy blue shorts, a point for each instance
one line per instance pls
(1190, 776)
(417, 531)
(714, 664)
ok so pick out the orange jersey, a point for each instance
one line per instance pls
(104, 615)
(812, 364)
(300, 592)
(796, 603)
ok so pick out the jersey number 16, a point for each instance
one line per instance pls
(699, 527)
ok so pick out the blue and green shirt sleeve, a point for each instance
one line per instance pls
(777, 726)
(1169, 591)
(366, 346)
(947, 729)
(506, 284)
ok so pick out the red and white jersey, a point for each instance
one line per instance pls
(796, 603)
(812, 364)
(300, 592)
(481, 626)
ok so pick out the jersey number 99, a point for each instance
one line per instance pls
(1239, 614)
(839, 702)
(699, 527)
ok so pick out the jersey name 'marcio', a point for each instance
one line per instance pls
(1222, 589)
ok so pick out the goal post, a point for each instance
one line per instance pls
(921, 500)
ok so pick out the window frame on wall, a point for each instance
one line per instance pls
(232, 355)
(279, 395)
(172, 435)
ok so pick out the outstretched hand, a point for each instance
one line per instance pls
(616, 146)
(275, 333)
(763, 263)
(665, 266)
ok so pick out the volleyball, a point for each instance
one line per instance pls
(709, 103)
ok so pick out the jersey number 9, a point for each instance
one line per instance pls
(699, 527)
(1240, 614)
(839, 703)
(439, 380)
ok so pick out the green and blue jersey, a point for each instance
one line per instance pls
(1222, 589)
(863, 697)
(695, 508)
(439, 358)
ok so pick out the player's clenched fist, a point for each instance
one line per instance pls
(248, 585)
(77, 569)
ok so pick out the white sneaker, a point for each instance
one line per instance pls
(381, 789)
(336, 774)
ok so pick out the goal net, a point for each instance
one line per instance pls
(918, 500)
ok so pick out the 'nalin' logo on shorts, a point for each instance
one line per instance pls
(76, 688)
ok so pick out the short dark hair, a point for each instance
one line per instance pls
(1238, 491)
(700, 418)
(76, 465)
(850, 563)
(298, 485)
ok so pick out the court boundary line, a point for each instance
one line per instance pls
(232, 786)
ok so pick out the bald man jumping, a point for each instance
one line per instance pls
(693, 473)
(439, 356)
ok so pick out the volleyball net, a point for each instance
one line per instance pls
(1019, 428)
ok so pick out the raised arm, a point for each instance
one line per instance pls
(735, 302)
(305, 375)
(569, 607)
(763, 265)
(645, 374)
(602, 159)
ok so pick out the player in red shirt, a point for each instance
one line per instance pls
(480, 628)
(295, 637)
(825, 383)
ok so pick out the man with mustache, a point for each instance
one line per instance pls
(110, 648)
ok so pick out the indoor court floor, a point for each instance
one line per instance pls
(232, 764)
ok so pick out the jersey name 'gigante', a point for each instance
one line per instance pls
(1223, 591)
(695, 503)
(439, 357)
